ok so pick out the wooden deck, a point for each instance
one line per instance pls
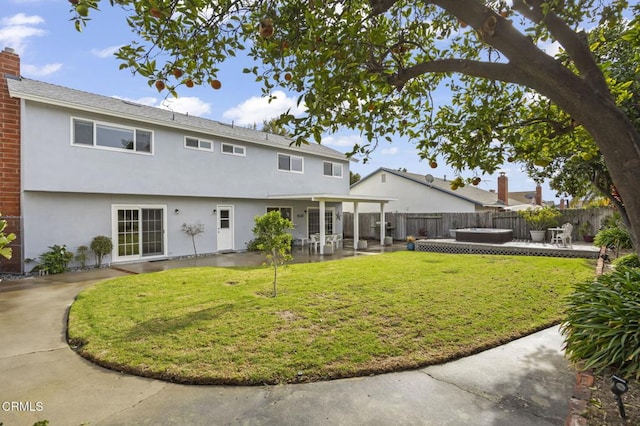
(519, 248)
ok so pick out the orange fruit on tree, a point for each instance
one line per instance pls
(266, 28)
(189, 83)
(155, 12)
(216, 84)
(177, 73)
(288, 76)
(433, 164)
(160, 85)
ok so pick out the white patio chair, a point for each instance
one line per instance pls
(565, 236)
(335, 240)
(314, 242)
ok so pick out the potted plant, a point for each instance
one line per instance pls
(411, 243)
(539, 219)
(585, 231)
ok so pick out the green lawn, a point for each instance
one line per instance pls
(342, 318)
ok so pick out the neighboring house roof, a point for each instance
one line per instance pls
(468, 193)
(523, 197)
(39, 91)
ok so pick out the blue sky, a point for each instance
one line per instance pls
(52, 51)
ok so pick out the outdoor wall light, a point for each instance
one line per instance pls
(177, 211)
(619, 387)
(214, 211)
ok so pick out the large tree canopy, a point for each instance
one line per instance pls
(374, 65)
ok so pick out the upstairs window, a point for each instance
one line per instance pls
(231, 149)
(109, 136)
(290, 163)
(332, 169)
(195, 143)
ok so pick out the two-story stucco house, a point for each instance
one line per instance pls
(76, 165)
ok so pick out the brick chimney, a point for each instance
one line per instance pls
(538, 195)
(10, 158)
(503, 188)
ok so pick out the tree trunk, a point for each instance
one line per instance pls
(611, 129)
(619, 143)
(275, 274)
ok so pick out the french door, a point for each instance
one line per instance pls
(314, 220)
(138, 232)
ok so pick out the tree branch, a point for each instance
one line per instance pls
(575, 44)
(379, 7)
(494, 71)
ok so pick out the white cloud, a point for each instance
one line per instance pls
(389, 151)
(22, 19)
(340, 140)
(106, 52)
(16, 30)
(186, 105)
(35, 71)
(258, 109)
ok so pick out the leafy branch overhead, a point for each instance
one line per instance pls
(377, 65)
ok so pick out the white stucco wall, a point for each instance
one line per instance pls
(52, 163)
(74, 219)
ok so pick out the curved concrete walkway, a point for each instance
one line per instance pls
(526, 382)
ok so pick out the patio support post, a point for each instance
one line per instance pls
(322, 227)
(356, 226)
(382, 224)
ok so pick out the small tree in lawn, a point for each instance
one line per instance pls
(274, 241)
(193, 230)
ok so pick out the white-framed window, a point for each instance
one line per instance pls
(383, 178)
(195, 143)
(231, 149)
(110, 136)
(290, 163)
(332, 169)
(285, 212)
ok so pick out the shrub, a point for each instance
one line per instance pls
(616, 237)
(101, 246)
(630, 260)
(539, 219)
(55, 261)
(5, 240)
(603, 323)
(81, 256)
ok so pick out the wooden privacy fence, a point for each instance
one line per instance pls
(437, 225)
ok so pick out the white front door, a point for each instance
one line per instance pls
(225, 228)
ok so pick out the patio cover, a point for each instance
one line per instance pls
(322, 199)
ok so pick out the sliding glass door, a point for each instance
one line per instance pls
(138, 232)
